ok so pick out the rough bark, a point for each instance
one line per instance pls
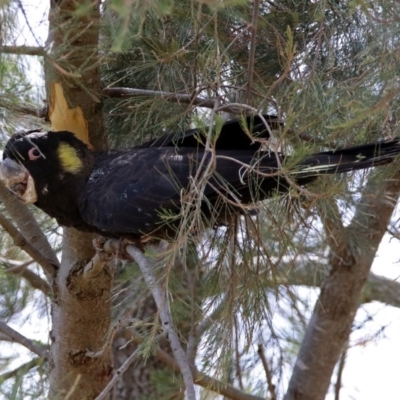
(352, 252)
(73, 77)
(81, 306)
(81, 319)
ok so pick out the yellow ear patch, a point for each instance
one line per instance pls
(69, 158)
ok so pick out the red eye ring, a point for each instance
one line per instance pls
(34, 154)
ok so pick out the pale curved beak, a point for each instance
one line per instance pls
(18, 180)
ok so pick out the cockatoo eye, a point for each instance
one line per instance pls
(33, 154)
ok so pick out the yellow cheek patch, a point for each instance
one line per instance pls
(69, 158)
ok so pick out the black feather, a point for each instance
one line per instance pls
(123, 192)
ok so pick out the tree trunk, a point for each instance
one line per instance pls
(81, 307)
(353, 250)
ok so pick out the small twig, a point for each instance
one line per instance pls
(104, 394)
(252, 54)
(25, 245)
(271, 386)
(62, 70)
(22, 368)
(338, 383)
(27, 20)
(18, 338)
(166, 319)
(21, 269)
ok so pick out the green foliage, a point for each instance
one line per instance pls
(329, 69)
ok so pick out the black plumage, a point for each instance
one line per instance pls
(124, 193)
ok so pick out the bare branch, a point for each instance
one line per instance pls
(214, 104)
(175, 97)
(4, 338)
(24, 50)
(166, 319)
(25, 245)
(18, 338)
(27, 224)
(21, 269)
(21, 369)
(104, 394)
(271, 386)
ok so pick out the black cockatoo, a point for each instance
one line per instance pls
(125, 193)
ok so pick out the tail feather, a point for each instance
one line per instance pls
(350, 159)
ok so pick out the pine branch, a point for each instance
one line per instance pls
(21, 269)
(23, 109)
(214, 104)
(24, 244)
(175, 97)
(21, 369)
(18, 338)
